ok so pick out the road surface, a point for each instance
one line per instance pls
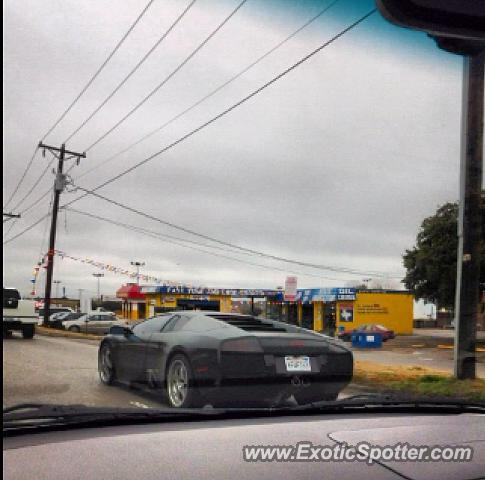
(62, 370)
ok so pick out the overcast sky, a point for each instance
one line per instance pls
(337, 163)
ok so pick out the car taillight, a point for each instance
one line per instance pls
(242, 345)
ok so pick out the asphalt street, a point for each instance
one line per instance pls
(62, 370)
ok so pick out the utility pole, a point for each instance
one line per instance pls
(57, 282)
(469, 220)
(98, 276)
(59, 185)
(138, 265)
(80, 290)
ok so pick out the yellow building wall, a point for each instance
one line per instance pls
(318, 316)
(393, 310)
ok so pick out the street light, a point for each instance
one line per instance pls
(57, 282)
(138, 265)
(98, 276)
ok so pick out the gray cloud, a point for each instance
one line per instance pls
(337, 163)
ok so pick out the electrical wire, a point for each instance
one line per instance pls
(36, 183)
(229, 109)
(98, 71)
(204, 125)
(135, 68)
(170, 239)
(212, 93)
(27, 168)
(238, 247)
(27, 229)
(7, 232)
(167, 78)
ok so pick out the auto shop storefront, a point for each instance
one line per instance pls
(133, 306)
(331, 309)
(161, 299)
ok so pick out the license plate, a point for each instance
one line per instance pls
(298, 364)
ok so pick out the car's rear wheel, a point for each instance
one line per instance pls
(28, 331)
(105, 365)
(180, 388)
(74, 329)
(310, 395)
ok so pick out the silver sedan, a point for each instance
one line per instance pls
(98, 324)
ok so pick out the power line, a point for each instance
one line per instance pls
(137, 66)
(226, 111)
(25, 230)
(39, 179)
(36, 202)
(166, 79)
(212, 120)
(91, 80)
(29, 164)
(7, 232)
(170, 239)
(238, 247)
(213, 92)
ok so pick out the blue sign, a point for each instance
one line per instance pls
(325, 294)
(233, 292)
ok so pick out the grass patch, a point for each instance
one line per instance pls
(418, 381)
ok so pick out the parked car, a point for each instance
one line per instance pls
(57, 319)
(386, 333)
(224, 358)
(97, 323)
(52, 311)
(18, 314)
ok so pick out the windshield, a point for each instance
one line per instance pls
(234, 204)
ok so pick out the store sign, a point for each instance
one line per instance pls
(325, 294)
(231, 292)
(346, 312)
(290, 289)
(372, 308)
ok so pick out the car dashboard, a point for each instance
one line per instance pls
(213, 449)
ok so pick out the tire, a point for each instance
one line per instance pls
(179, 384)
(28, 331)
(106, 368)
(74, 329)
(310, 395)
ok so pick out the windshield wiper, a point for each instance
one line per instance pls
(39, 417)
(370, 401)
(33, 415)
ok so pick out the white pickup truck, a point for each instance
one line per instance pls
(18, 314)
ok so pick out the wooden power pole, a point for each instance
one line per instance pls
(59, 185)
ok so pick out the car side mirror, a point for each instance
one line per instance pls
(120, 330)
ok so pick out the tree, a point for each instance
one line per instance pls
(431, 263)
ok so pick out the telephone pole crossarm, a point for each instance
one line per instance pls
(52, 149)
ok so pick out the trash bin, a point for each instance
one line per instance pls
(366, 340)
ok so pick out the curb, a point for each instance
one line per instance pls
(51, 332)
